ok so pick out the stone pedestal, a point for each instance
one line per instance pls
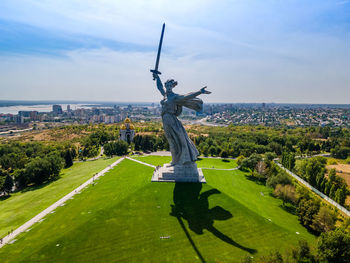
(178, 173)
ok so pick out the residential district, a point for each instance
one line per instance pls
(289, 115)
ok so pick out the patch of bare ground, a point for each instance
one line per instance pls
(347, 201)
(145, 133)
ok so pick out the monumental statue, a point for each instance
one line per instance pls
(183, 151)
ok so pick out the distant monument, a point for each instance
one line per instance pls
(184, 154)
(127, 131)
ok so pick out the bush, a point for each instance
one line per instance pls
(270, 156)
(324, 221)
(307, 210)
(281, 178)
(286, 193)
(302, 253)
(251, 161)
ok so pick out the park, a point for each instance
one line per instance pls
(126, 217)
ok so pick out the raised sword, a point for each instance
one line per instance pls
(155, 70)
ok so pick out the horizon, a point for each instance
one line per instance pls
(11, 103)
(243, 51)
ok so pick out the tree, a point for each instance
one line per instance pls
(312, 168)
(251, 161)
(212, 150)
(68, 158)
(116, 148)
(270, 156)
(2, 182)
(261, 168)
(39, 170)
(288, 160)
(286, 193)
(21, 178)
(332, 192)
(340, 195)
(137, 142)
(334, 246)
(281, 178)
(307, 210)
(8, 184)
(302, 253)
(324, 221)
(224, 154)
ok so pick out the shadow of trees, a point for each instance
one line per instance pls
(193, 206)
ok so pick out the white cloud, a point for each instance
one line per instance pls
(115, 76)
(243, 50)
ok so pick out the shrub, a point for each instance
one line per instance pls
(286, 193)
(281, 178)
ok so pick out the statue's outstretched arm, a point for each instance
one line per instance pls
(192, 95)
(159, 84)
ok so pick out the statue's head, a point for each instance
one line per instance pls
(170, 84)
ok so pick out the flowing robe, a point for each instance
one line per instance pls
(183, 150)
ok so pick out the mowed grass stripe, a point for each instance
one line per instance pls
(129, 214)
(257, 198)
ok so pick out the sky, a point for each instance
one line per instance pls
(290, 51)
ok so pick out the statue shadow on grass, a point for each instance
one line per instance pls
(193, 206)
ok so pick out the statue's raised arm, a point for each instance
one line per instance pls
(159, 84)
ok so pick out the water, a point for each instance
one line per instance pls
(41, 108)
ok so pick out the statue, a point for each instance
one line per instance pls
(182, 148)
(183, 151)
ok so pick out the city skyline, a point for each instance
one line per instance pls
(244, 51)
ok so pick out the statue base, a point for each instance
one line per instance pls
(178, 173)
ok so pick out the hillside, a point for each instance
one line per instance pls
(126, 217)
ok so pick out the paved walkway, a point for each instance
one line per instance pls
(147, 164)
(60, 202)
(329, 200)
(153, 166)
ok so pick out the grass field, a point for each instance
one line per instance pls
(22, 206)
(126, 217)
(201, 163)
(331, 161)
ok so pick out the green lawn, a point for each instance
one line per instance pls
(22, 206)
(202, 162)
(126, 217)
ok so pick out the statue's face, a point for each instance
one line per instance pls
(170, 84)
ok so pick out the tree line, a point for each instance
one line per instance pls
(314, 171)
(25, 164)
(334, 238)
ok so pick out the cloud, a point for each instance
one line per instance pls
(343, 2)
(243, 50)
(109, 75)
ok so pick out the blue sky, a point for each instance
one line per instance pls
(244, 51)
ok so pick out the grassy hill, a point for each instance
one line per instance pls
(22, 206)
(126, 217)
